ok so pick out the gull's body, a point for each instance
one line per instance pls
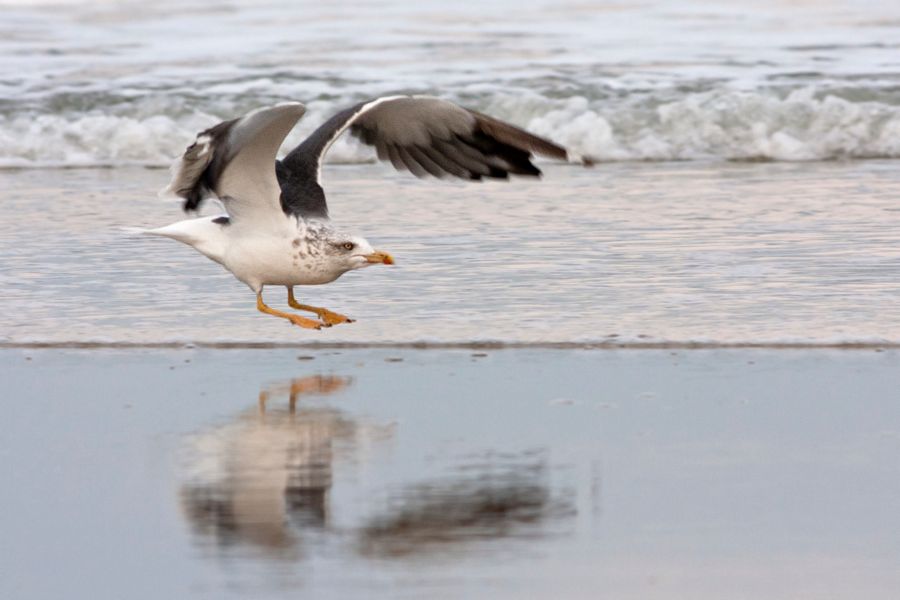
(277, 230)
(286, 252)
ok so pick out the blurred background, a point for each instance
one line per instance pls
(115, 83)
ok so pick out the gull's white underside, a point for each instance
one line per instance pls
(288, 251)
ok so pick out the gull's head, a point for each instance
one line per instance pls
(348, 252)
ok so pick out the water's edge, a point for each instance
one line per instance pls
(471, 345)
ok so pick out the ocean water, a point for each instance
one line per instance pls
(115, 83)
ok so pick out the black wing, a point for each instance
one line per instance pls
(420, 134)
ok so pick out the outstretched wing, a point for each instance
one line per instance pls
(420, 134)
(235, 161)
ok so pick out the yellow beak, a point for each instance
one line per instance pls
(380, 257)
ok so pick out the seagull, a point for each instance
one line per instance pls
(276, 230)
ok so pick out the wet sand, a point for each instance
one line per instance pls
(729, 253)
(391, 473)
(479, 432)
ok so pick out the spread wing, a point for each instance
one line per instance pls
(424, 135)
(235, 162)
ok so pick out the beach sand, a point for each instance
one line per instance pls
(495, 424)
(671, 253)
(447, 474)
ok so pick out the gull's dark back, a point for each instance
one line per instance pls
(423, 135)
(298, 173)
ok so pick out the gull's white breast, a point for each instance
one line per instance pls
(284, 256)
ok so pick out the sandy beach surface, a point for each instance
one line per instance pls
(740, 253)
(449, 474)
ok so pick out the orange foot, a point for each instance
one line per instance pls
(331, 318)
(328, 317)
(295, 319)
(307, 323)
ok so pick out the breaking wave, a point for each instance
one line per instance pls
(714, 124)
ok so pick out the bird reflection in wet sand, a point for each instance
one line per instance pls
(265, 477)
(494, 497)
(263, 481)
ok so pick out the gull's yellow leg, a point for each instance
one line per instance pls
(330, 318)
(296, 320)
(263, 398)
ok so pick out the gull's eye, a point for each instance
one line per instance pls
(348, 246)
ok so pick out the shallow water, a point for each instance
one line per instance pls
(576, 474)
(674, 253)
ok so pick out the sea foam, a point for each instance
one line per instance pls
(717, 124)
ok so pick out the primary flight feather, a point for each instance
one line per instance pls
(277, 230)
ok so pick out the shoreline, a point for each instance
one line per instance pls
(474, 345)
